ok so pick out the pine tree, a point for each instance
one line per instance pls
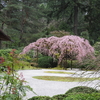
(21, 19)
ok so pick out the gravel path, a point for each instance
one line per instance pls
(51, 88)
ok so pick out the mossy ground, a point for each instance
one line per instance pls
(64, 79)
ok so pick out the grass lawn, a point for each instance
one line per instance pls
(65, 79)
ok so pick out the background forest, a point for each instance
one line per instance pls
(25, 21)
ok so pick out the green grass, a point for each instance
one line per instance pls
(59, 72)
(64, 79)
(58, 68)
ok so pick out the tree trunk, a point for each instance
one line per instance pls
(0, 44)
(71, 64)
(75, 17)
(2, 25)
(37, 56)
(21, 28)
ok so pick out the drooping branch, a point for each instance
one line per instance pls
(60, 48)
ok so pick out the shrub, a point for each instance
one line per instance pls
(12, 84)
(46, 62)
(83, 96)
(40, 98)
(87, 64)
(85, 35)
(59, 33)
(97, 46)
(5, 52)
(59, 97)
(97, 63)
(81, 89)
(90, 64)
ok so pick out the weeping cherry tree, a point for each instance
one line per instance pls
(70, 46)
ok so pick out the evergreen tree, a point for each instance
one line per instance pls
(92, 17)
(69, 11)
(21, 19)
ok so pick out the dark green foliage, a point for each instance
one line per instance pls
(97, 48)
(20, 20)
(92, 17)
(46, 62)
(84, 96)
(81, 89)
(35, 37)
(59, 97)
(85, 34)
(40, 98)
(82, 93)
(64, 26)
(67, 13)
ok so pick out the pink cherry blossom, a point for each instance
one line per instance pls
(61, 47)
